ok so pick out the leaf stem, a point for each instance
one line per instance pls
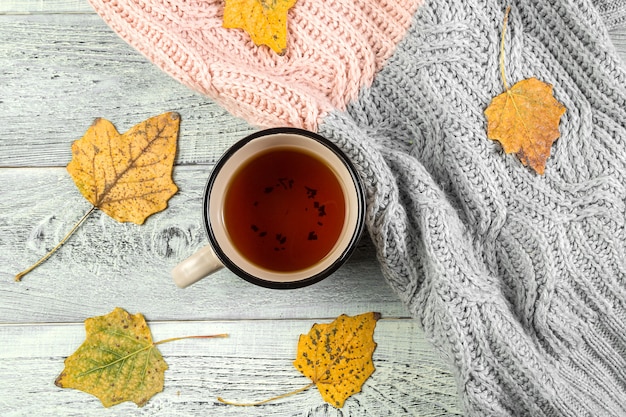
(19, 276)
(279, 397)
(144, 348)
(502, 72)
(173, 339)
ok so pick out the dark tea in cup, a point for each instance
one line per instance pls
(283, 208)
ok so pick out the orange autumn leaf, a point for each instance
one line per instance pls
(337, 356)
(525, 118)
(128, 176)
(264, 20)
(118, 361)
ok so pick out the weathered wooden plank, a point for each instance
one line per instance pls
(107, 263)
(254, 363)
(45, 6)
(59, 72)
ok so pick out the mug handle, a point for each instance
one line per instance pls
(199, 265)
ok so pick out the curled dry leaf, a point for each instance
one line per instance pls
(118, 361)
(264, 20)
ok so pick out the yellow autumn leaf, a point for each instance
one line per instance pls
(128, 176)
(525, 118)
(337, 356)
(118, 361)
(264, 20)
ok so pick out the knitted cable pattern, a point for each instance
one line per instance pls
(519, 279)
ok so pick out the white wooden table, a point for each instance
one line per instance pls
(61, 67)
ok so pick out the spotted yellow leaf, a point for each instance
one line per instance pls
(337, 357)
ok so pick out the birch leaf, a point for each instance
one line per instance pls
(337, 357)
(264, 20)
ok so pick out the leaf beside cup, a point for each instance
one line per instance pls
(128, 176)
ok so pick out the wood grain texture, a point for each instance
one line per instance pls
(45, 6)
(106, 263)
(60, 72)
(254, 363)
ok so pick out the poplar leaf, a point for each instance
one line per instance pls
(128, 176)
(118, 361)
(525, 118)
(264, 20)
(337, 357)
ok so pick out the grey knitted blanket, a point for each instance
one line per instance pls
(518, 278)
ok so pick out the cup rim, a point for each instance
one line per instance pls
(347, 251)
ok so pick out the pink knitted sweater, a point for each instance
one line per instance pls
(335, 48)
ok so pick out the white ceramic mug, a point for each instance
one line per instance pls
(283, 208)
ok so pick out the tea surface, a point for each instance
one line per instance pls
(284, 210)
